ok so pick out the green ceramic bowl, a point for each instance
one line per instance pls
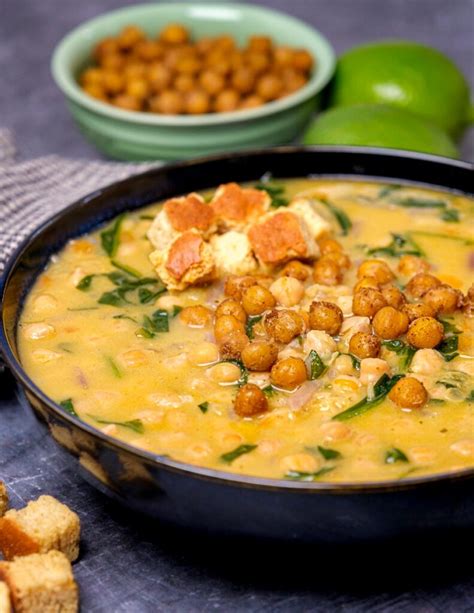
(130, 135)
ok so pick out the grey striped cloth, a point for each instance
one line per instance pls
(32, 191)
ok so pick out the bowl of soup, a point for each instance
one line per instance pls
(276, 343)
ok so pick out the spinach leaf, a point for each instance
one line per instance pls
(204, 407)
(404, 351)
(157, 322)
(470, 396)
(388, 189)
(123, 316)
(276, 192)
(269, 391)
(329, 454)
(145, 295)
(128, 269)
(450, 215)
(449, 347)
(114, 298)
(449, 327)
(230, 456)
(82, 309)
(419, 203)
(85, 283)
(315, 365)
(110, 238)
(340, 216)
(176, 310)
(402, 244)
(395, 455)
(251, 321)
(68, 406)
(298, 475)
(115, 369)
(381, 389)
(134, 424)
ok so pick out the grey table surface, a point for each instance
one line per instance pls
(128, 565)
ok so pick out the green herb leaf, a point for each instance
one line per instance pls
(160, 321)
(298, 475)
(244, 373)
(449, 327)
(419, 203)
(251, 321)
(404, 351)
(387, 190)
(204, 407)
(230, 456)
(128, 269)
(176, 310)
(150, 217)
(134, 424)
(341, 216)
(123, 316)
(85, 283)
(448, 347)
(315, 365)
(329, 454)
(114, 298)
(115, 369)
(381, 389)
(276, 193)
(68, 406)
(395, 455)
(450, 215)
(269, 391)
(401, 244)
(110, 238)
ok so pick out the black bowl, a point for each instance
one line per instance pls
(212, 500)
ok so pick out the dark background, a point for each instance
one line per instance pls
(131, 566)
(31, 105)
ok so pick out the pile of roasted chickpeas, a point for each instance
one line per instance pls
(173, 75)
(393, 313)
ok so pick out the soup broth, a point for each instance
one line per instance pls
(104, 337)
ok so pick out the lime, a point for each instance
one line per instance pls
(407, 75)
(378, 125)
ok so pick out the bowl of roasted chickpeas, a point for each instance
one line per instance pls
(171, 81)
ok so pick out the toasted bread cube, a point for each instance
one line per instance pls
(188, 260)
(236, 207)
(41, 583)
(233, 253)
(5, 604)
(180, 215)
(42, 525)
(304, 208)
(280, 237)
(3, 499)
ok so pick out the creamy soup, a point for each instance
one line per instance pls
(305, 330)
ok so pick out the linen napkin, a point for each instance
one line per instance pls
(34, 190)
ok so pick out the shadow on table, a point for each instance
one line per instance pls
(417, 563)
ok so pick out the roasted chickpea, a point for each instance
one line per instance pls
(468, 302)
(148, 50)
(329, 245)
(135, 70)
(366, 282)
(226, 325)
(293, 80)
(417, 309)
(327, 272)
(92, 76)
(211, 81)
(243, 80)
(169, 102)
(127, 102)
(269, 87)
(138, 88)
(231, 307)
(341, 259)
(408, 393)
(233, 344)
(159, 77)
(174, 34)
(257, 299)
(296, 269)
(106, 46)
(425, 333)
(443, 299)
(250, 401)
(421, 283)
(390, 323)
(234, 286)
(261, 44)
(130, 36)
(113, 82)
(393, 296)
(367, 302)
(364, 345)
(410, 265)
(256, 61)
(251, 102)
(98, 92)
(375, 268)
(325, 316)
(283, 56)
(185, 84)
(259, 355)
(113, 61)
(288, 373)
(302, 60)
(226, 100)
(197, 102)
(283, 325)
(196, 316)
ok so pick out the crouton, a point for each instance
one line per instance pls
(236, 207)
(5, 605)
(233, 253)
(41, 583)
(180, 215)
(188, 260)
(304, 208)
(3, 499)
(42, 525)
(280, 237)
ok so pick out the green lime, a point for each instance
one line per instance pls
(407, 75)
(378, 125)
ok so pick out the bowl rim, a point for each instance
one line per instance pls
(69, 87)
(195, 471)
